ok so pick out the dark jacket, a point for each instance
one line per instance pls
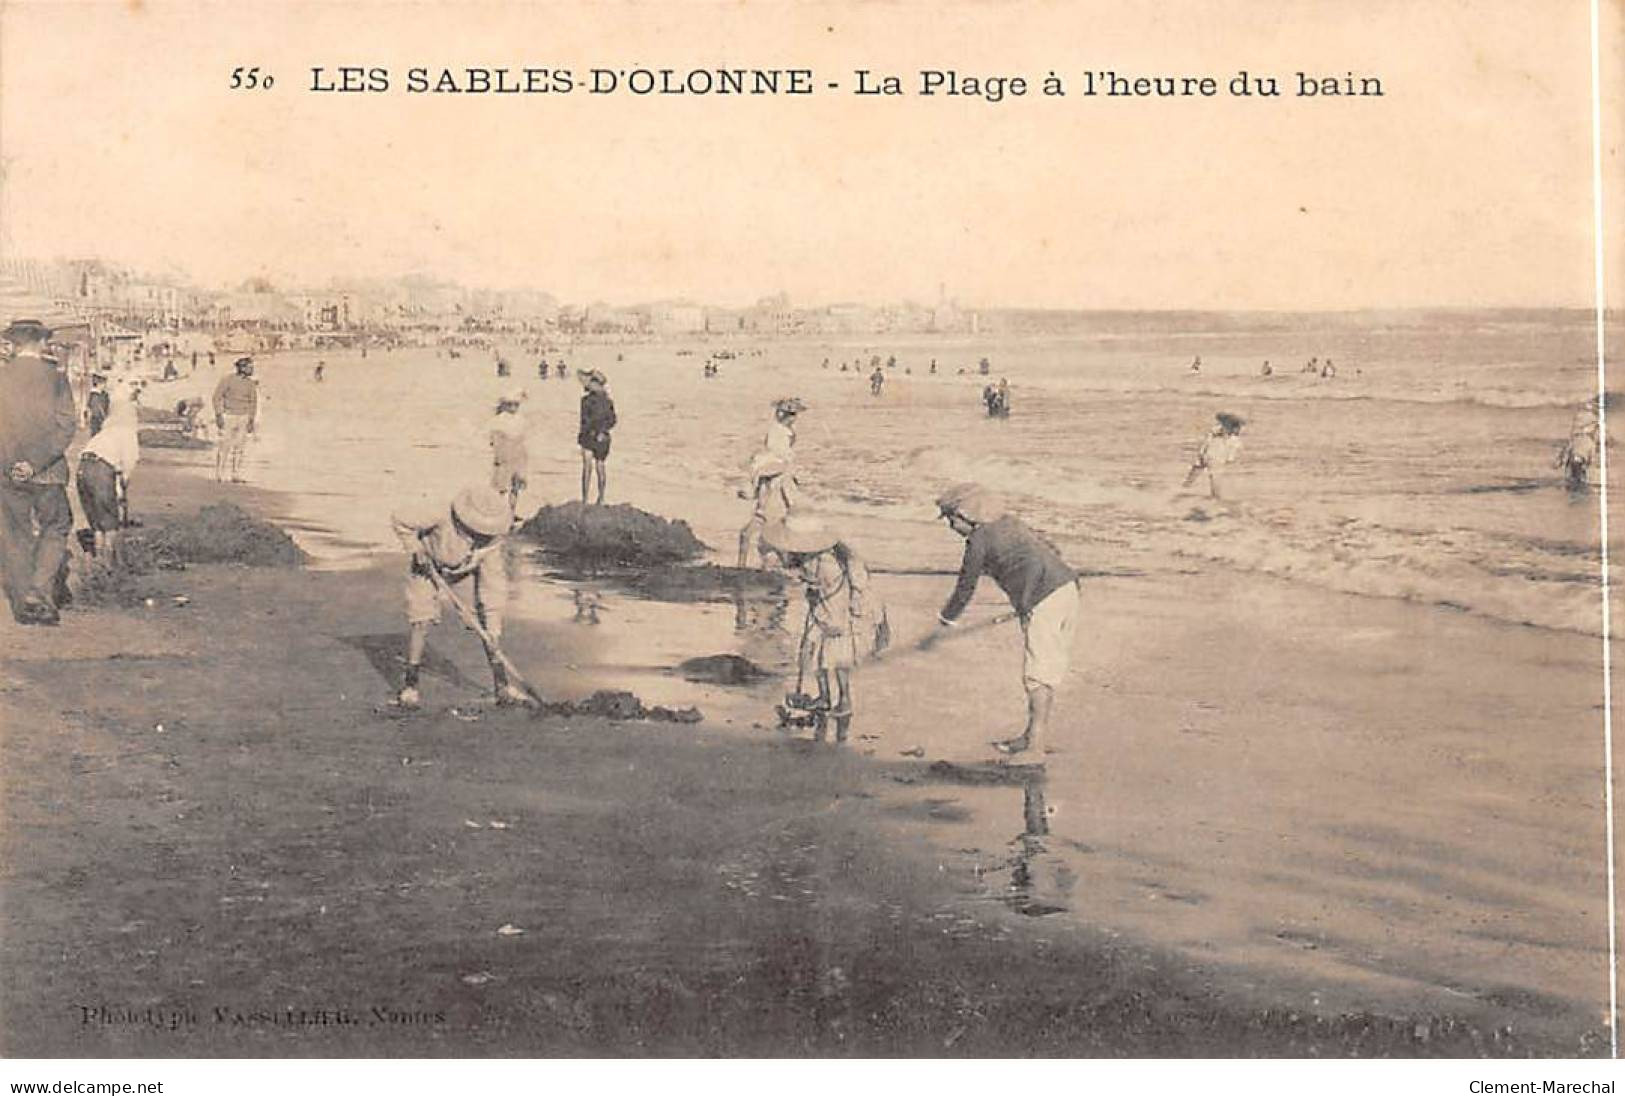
(37, 417)
(1025, 565)
(97, 406)
(597, 417)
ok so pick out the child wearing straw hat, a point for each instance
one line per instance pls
(460, 541)
(840, 612)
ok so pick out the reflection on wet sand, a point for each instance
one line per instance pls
(1040, 880)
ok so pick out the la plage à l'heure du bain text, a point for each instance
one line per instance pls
(875, 84)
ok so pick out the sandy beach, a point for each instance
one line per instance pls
(1282, 821)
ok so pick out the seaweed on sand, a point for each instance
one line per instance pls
(611, 536)
(723, 669)
(619, 705)
(223, 533)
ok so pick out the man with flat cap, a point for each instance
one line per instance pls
(37, 422)
(236, 408)
(1042, 590)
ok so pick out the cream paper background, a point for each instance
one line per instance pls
(1468, 183)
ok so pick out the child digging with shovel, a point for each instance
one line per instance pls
(840, 616)
(449, 544)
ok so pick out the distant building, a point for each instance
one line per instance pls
(601, 319)
(323, 311)
(846, 318)
(676, 318)
(724, 321)
(264, 308)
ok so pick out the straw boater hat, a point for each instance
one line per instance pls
(592, 376)
(483, 509)
(792, 405)
(974, 503)
(799, 534)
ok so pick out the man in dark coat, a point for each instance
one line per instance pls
(37, 422)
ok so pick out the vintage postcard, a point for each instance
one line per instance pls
(825, 530)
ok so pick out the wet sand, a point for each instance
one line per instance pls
(1281, 822)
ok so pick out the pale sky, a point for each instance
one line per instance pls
(1468, 183)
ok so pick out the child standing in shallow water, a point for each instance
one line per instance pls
(1580, 451)
(772, 489)
(1221, 446)
(840, 614)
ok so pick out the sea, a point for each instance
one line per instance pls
(1423, 470)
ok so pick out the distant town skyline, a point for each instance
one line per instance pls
(103, 295)
(59, 280)
(560, 293)
(1466, 185)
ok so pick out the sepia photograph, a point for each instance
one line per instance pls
(822, 530)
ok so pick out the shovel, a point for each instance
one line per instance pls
(934, 639)
(492, 648)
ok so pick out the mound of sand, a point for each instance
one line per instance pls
(223, 533)
(620, 705)
(611, 536)
(724, 669)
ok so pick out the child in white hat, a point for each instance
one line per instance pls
(843, 621)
